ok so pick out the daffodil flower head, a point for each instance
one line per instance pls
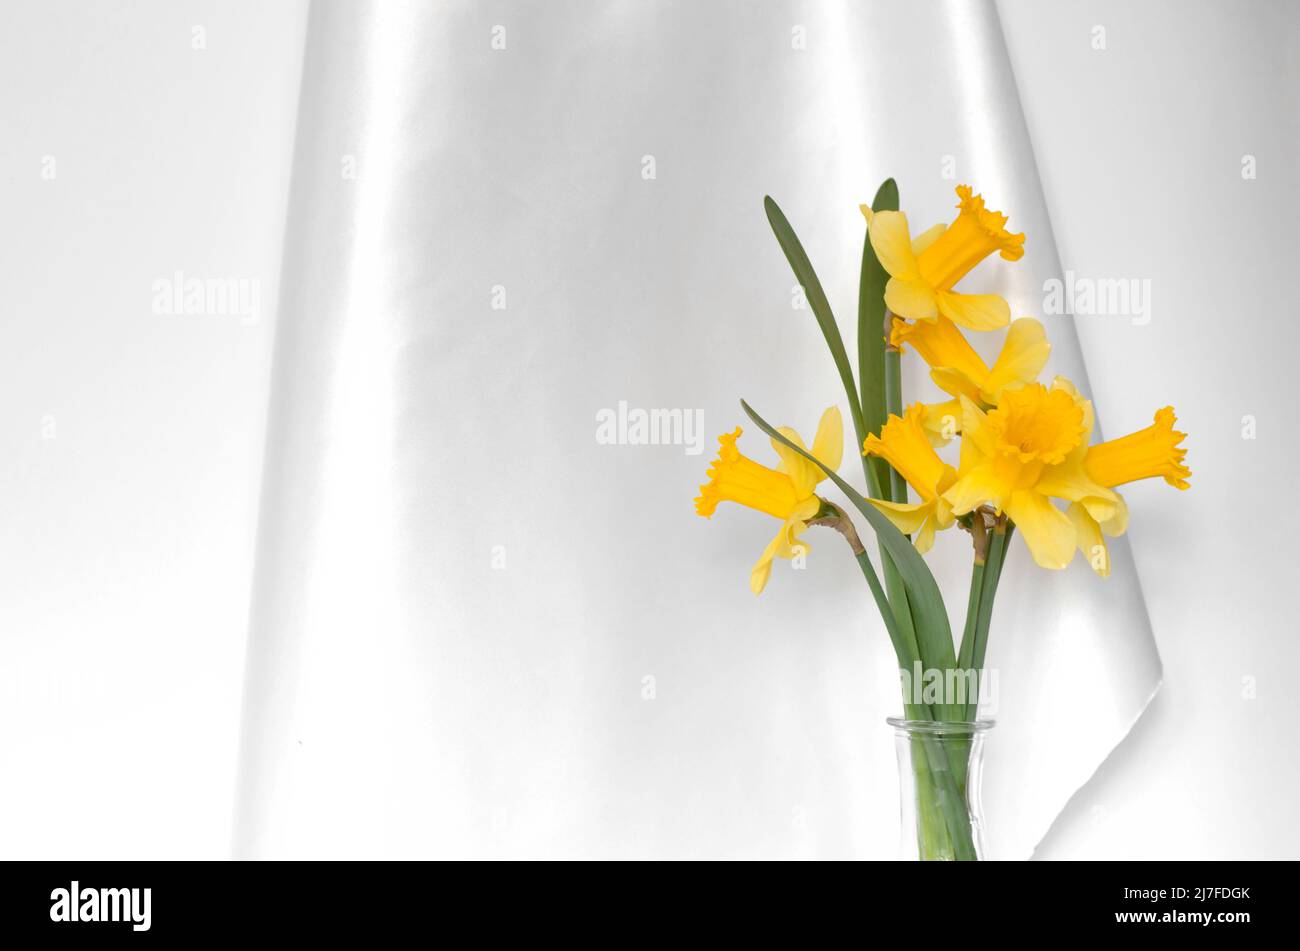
(904, 444)
(958, 370)
(1154, 452)
(787, 492)
(924, 271)
(1026, 452)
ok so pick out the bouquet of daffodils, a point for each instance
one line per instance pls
(1024, 465)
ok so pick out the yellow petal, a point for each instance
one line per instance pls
(907, 517)
(941, 421)
(976, 443)
(910, 299)
(975, 487)
(1047, 530)
(1117, 524)
(762, 569)
(786, 544)
(866, 213)
(1070, 481)
(828, 444)
(804, 474)
(924, 539)
(927, 238)
(941, 345)
(905, 445)
(1023, 356)
(802, 512)
(892, 243)
(956, 383)
(1090, 541)
(974, 311)
(1065, 383)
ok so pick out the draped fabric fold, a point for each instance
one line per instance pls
(484, 627)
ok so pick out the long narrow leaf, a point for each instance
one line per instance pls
(821, 308)
(871, 341)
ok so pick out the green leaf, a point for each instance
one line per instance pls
(934, 636)
(871, 340)
(886, 196)
(821, 308)
(905, 651)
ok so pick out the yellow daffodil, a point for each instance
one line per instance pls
(1149, 453)
(786, 492)
(1024, 453)
(923, 272)
(959, 371)
(903, 443)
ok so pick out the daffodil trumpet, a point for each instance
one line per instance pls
(1027, 463)
(924, 270)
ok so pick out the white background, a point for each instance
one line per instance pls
(126, 549)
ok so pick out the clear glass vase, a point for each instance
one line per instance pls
(939, 768)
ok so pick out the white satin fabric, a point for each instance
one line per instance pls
(479, 632)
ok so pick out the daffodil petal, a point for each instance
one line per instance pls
(892, 243)
(1089, 538)
(828, 444)
(802, 473)
(762, 569)
(954, 382)
(1066, 384)
(1070, 481)
(974, 311)
(941, 421)
(911, 299)
(907, 517)
(1117, 524)
(975, 444)
(1047, 530)
(927, 238)
(924, 539)
(805, 510)
(975, 487)
(1024, 354)
(786, 544)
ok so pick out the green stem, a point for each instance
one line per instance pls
(940, 791)
(1011, 530)
(943, 821)
(989, 588)
(905, 651)
(972, 615)
(899, 605)
(933, 843)
(966, 658)
(894, 406)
